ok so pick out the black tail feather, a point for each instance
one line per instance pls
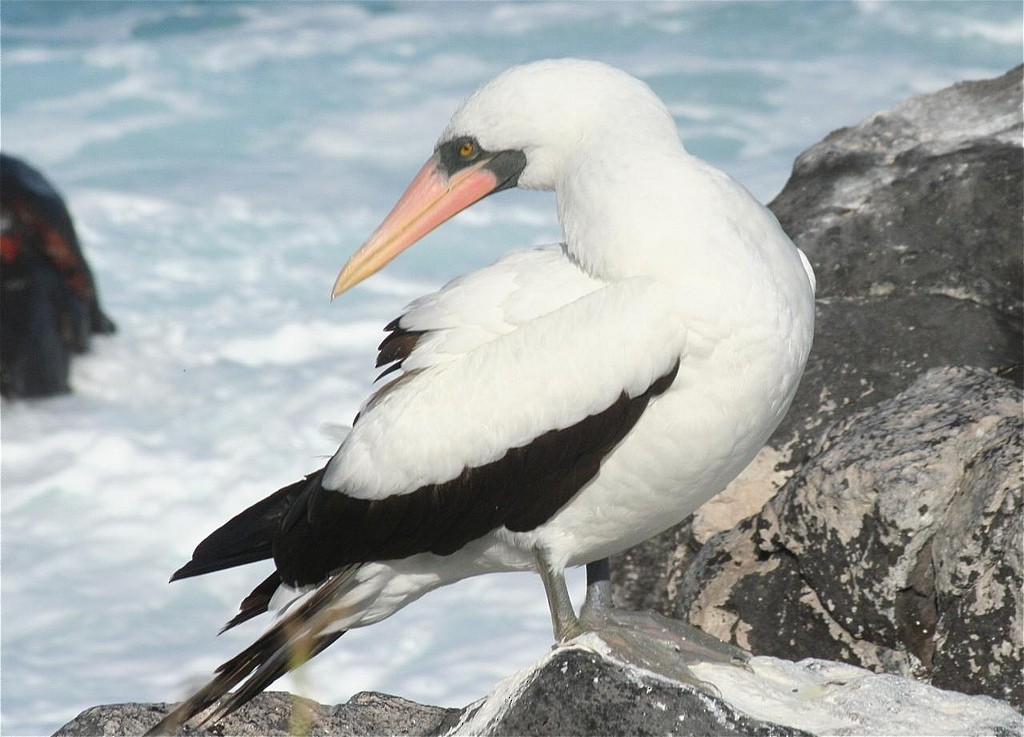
(282, 661)
(285, 646)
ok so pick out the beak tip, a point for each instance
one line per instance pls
(341, 284)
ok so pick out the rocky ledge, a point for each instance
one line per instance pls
(581, 690)
(891, 540)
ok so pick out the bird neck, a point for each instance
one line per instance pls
(637, 210)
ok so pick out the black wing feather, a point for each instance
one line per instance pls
(396, 346)
(326, 529)
(311, 531)
(248, 536)
(256, 603)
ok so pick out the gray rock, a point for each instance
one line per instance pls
(276, 713)
(577, 691)
(913, 222)
(897, 547)
(584, 690)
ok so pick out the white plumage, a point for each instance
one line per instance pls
(675, 298)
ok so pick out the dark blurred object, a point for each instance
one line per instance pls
(49, 307)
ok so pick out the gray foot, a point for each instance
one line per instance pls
(649, 640)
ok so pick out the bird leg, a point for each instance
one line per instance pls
(563, 618)
(599, 586)
(644, 639)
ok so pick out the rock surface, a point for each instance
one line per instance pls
(913, 222)
(897, 547)
(580, 690)
(576, 691)
(277, 713)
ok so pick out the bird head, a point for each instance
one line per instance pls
(523, 128)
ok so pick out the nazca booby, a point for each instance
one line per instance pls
(556, 407)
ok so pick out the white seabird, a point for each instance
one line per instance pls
(549, 410)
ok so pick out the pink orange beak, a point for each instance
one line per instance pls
(432, 198)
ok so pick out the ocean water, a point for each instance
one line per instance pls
(222, 160)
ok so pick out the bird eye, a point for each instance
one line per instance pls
(467, 150)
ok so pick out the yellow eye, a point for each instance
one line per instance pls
(467, 150)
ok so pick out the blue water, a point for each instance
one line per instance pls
(222, 160)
